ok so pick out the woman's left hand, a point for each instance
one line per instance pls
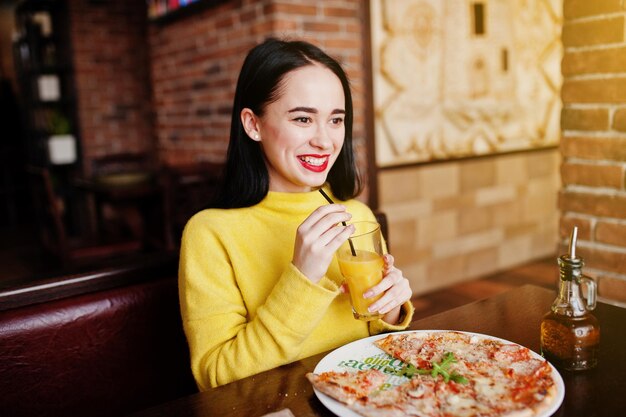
(396, 289)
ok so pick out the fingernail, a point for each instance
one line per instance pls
(367, 294)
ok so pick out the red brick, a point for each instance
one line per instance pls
(594, 32)
(593, 175)
(283, 25)
(346, 43)
(290, 9)
(619, 119)
(594, 148)
(602, 90)
(602, 61)
(582, 8)
(603, 259)
(611, 233)
(612, 288)
(584, 119)
(603, 205)
(343, 12)
(321, 27)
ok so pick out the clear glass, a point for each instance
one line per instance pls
(361, 264)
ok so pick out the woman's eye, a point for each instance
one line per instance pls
(302, 119)
(337, 121)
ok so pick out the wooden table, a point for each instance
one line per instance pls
(514, 315)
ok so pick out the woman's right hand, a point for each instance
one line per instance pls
(318, 238)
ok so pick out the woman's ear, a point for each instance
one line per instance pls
(250, 123)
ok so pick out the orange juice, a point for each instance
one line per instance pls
(361, 272)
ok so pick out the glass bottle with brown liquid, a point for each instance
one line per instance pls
(570, 334)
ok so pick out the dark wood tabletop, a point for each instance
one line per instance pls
(514, 315)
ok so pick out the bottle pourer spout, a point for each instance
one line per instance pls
(572, 243)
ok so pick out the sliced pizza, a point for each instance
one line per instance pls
(449, 374)
(348, 387)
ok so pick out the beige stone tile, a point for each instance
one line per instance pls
(474, 219)
(507, 213)
(418, 277)
(546, 242)
(495, 195)
(445, 272)
(541, 200)
(482, 262)
(438, 227)
(468, 243)
(404, 255)
(519, 229)
(407, 210)
(514, 251)
(543, 163)
(476, 174)
(403, 233)
(456, 202)
(512, 169)
(440, 180)
(399, 185)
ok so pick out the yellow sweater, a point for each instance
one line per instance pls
(245, 307)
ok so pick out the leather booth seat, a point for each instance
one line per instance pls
(111, 346)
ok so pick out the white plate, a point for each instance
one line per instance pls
(362, 353)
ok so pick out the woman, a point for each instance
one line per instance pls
(258, 284)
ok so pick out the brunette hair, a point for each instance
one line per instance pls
(245, 178)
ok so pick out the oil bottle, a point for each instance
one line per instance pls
(570, 333)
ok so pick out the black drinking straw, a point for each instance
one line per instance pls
(344, 223)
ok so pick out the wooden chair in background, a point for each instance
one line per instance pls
(70, 249)
(187, 189)
(123, 190)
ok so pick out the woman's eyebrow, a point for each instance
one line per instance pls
(313, 110)
(303, 109)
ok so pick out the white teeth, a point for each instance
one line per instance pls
(313, 161)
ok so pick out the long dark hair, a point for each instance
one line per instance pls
(246, 179)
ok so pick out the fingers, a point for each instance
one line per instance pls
(318, 237)
(393, 298)
(324, 217)
(396, 289)
(392, 276)
(329, 241)
(389, 261)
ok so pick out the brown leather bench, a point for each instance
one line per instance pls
(98, 344)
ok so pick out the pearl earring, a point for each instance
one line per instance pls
(256, 136)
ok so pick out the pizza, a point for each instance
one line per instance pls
(442, 374)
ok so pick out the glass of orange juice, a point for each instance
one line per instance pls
(361, 263)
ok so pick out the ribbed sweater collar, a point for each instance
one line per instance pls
(295, 203)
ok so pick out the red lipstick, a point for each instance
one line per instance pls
(314, 162)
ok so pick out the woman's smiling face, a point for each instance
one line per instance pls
(302, 132)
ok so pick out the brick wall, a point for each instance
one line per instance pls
(112, 77)
(196, 61)
(593, 123)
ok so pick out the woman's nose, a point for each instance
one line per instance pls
(321, 138)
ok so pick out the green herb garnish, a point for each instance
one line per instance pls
(442, 368)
